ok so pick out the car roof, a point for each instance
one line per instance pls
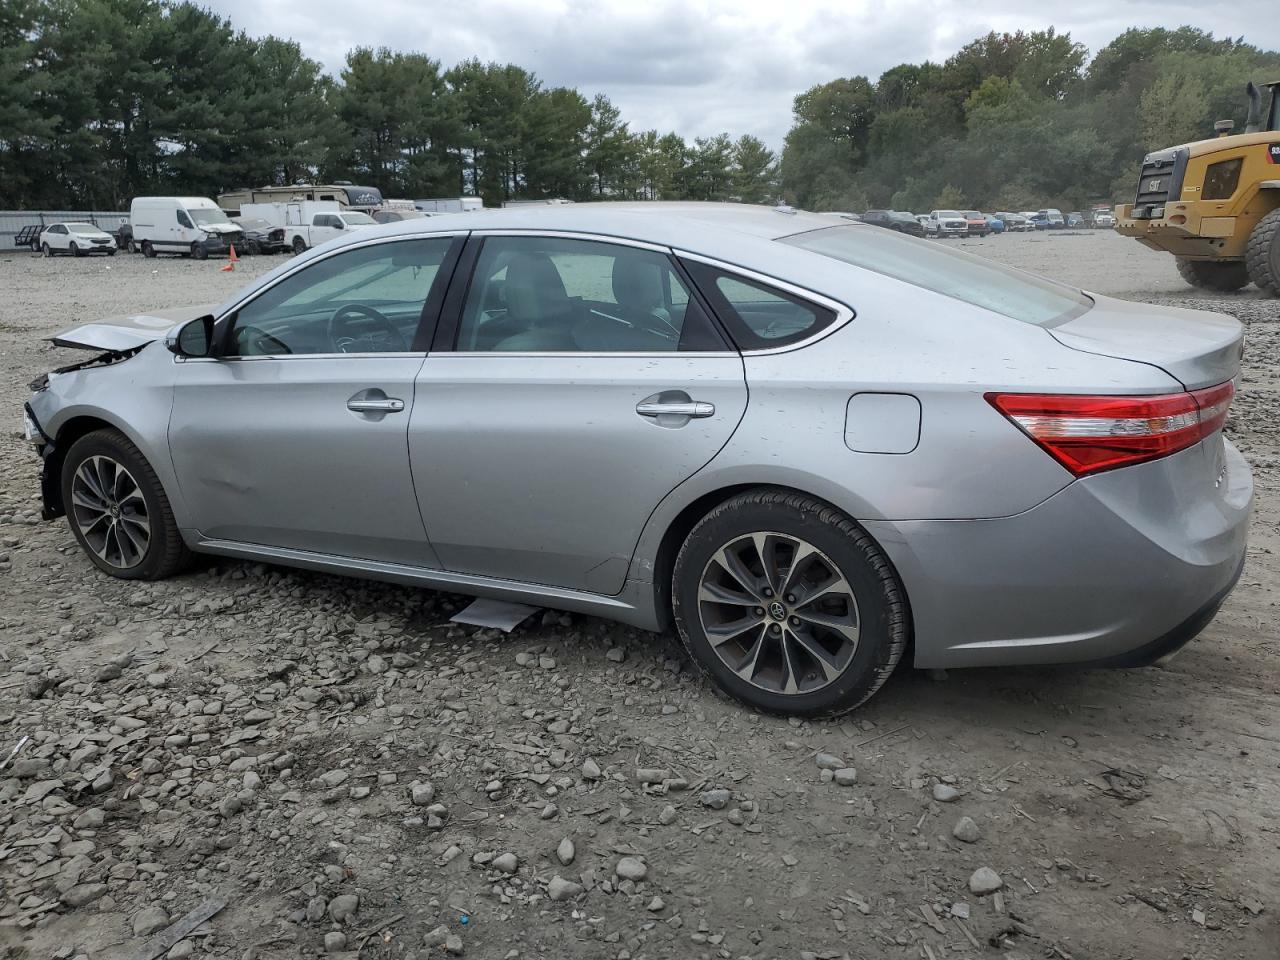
(666, 223)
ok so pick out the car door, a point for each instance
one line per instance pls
(58, 238)
(324, 226)
(574, 382)
(295, 435)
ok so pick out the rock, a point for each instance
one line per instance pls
(631, 868)
(84, 893)
(566, 851)
(967, 830)
(652, 775)
(984, 881)
(335, 941)
(560, 889)
(590, 769)
(334, 778)
(376, 664)
(436, 937)
(716, 799)
(343, 907)
(657, 905)
(826, 761)
(506, 862)
(421, 794)
(845, 776)
(257, 716)
(180, 950)
(453, 945)
(108, 672)
(667, 815)
(945, 793)
(616, 654)
(91, 819)
(549, 812)
(149, 920)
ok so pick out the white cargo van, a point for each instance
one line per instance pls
(190, 226)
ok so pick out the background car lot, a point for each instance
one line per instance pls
(1114, 805)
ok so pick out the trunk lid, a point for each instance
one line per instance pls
(127, 332)
(1198, 348)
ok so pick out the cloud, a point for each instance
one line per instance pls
(701, 67)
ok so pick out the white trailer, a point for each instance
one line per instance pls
(450, 205)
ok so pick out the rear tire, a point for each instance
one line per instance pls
(118, 511)
(813, 637)
(299, 246)
(1223, 275)
(1262, 255)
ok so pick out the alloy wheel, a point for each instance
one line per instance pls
(110, 512)
(778, 612)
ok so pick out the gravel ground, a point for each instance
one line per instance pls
(349, 773)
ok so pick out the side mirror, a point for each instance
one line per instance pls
(194, 339)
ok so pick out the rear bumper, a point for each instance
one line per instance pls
(1117, 569)
(1185, 228)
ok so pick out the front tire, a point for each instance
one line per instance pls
(148, 250)
(199, 252)
(75, 250)
(46, 250)
(789, 605)
(118, 510)
(1262, 255)
(1222, 275)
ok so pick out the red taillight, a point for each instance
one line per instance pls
(1087, 434)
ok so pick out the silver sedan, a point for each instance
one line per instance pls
(810, 446)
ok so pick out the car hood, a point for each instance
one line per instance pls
(128, 332)
(219, 228)
(91, 234)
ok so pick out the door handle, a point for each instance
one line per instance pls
(389, 405)
(698, 408)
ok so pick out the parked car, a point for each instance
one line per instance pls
(1075, 219)
(398, 216)
(1015, 222)
(1103, 220)
(994, 223)
(188, 226)
(1038, 219)
(260, 235)
(77, 239)
(976, 223)
(894, 220)
(925, 223)
(1053, 218)
(948, 223)
(551, 405)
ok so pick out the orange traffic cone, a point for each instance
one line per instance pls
(232, 260)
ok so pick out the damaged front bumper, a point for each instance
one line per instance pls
(50, 496)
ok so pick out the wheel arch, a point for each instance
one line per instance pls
(678, 528)
(81, 423)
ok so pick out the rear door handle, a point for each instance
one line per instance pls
(692, 408)
(363, 405)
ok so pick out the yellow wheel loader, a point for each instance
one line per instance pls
(1215, 204)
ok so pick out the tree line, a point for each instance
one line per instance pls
(1015, 121)
(104, 100)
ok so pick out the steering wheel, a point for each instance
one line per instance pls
(341, 337)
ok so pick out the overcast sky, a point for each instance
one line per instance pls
(700, 67)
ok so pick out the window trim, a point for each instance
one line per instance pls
(224, 322)
(449, 328)
(844, 313)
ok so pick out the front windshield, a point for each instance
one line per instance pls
(973, 214)
(948, 213)
(205, 215)
(358, 219)
(952, 273)
(82, 228)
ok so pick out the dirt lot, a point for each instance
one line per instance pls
(334, 762)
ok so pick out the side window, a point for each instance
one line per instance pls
(320, 220)
(759, 316)
(184, 220)
(368, 300)
(544, 294)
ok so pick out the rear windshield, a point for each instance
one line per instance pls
(947, 271)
